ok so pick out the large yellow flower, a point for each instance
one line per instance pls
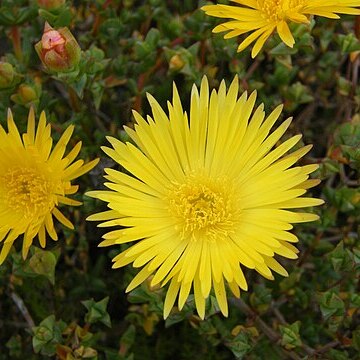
(208, 195)
(33, 181)
(263, 17)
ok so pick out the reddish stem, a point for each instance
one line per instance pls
(142, 82)
(357, 27)
(15, 37)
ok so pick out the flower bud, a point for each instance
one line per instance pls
(7, 75)
(50, 4)
(176, 63)
(27, 94)
(58, 50)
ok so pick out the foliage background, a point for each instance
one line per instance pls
(65, 302)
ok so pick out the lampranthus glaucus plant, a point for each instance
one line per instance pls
(263, 17)
(208, 195)
(34, 180)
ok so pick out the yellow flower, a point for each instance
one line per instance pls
(208, 195)
(263, 17)
(33, 181)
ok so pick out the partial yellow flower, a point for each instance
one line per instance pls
(208, 195)
(263, 17)
(34, 180)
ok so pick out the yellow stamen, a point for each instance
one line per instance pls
(277, 10)
(205, 207)
(28, 192)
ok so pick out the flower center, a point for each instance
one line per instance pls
(205, 207)
(51, 39)
(28, 192)
(276, 10)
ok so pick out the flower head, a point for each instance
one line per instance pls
(208, 196)
(263, 17)
(34, 181)
(58, 50)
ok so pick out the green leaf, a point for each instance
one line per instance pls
(47, 335)
(63, 18)
(10, 16)
(345, 199)
(290, 283)
(240, 345)
(338, 355)
(43, 263)
(331, 305)
(140, 295)
(348, 43)
(299, 93)
(79, 85)
(356, 339)
(261, 298)
(127, 339)
(97, 90)
(290, 335)
(112, 28)
(341, 258)
(97, 311)
(344, 86)
(14, 345)
(153, 37)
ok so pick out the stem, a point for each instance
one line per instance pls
(328, 346)
(357, 27)
(74, 99)
(15, 37)
(23, 309)
(272, 335)
(142, 82)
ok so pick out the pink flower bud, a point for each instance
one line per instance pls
(50, 4)
(58, 50)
